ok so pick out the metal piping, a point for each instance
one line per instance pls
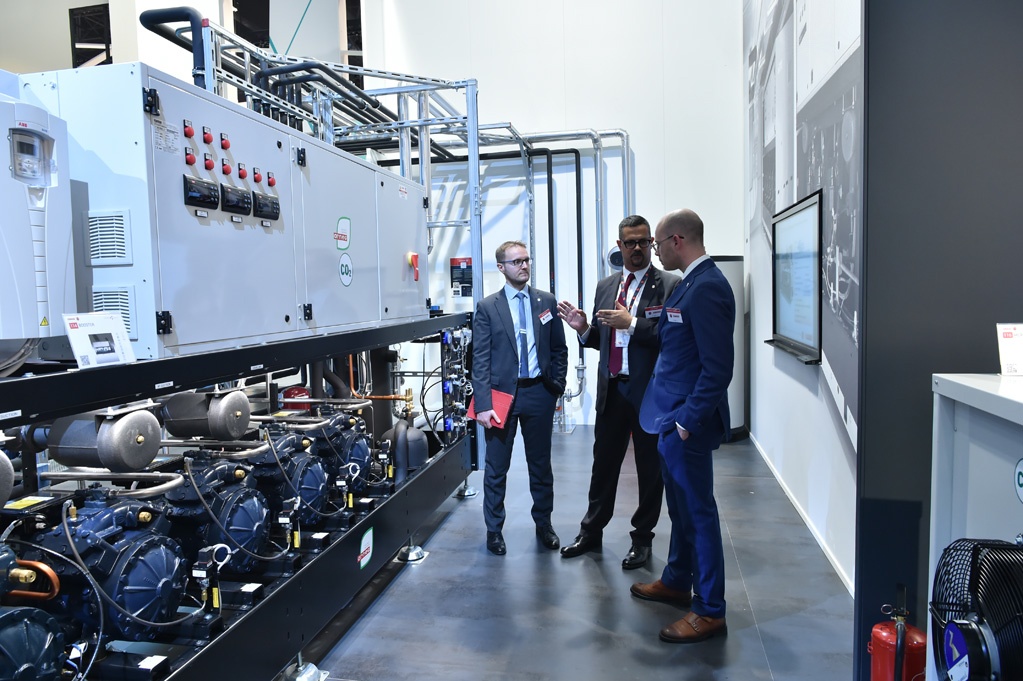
(425, 169)
(169, 480)
(337, 383)
(404, 140)
(365, 102)
(155, 20)
(628, 204)
(598, 177)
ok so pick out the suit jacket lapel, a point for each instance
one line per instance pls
(653, 284)
(534, 310)
(683, 286)
(504, 314)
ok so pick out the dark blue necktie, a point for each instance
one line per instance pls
(523, 342)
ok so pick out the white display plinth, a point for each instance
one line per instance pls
(978, 440)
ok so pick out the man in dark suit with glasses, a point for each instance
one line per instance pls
(686, 404)
(519, 348)
(624, 329)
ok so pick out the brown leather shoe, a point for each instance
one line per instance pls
(693, 628)
(657, 591)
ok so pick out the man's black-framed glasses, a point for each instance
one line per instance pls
(631, 244)
(657, 244)
(518, 262)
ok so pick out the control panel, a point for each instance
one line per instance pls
(211, 226)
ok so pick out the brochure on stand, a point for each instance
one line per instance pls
(1010, 349)
(98, 339)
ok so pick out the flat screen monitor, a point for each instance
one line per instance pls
(796, 268)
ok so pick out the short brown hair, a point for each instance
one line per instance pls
(505, 246)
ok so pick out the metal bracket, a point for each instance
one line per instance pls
(151, 101)
(164, 322)
(307, 311)
(300, 156)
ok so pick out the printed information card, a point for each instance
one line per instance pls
(98, 339)
(1010, 349)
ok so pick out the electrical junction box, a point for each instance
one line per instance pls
(37, 283)
(209, 226)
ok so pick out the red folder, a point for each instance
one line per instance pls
(502, 407)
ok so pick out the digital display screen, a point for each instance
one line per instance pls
(266, 206)
(796, 266)
(235, 200)
(201, 193)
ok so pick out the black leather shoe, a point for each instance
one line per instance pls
(548, 537)
(495, 544)
(637, 557)
(582, 544)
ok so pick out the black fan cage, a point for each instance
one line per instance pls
(981, 579)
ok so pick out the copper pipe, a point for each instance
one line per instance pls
(47, 572)
(407, 397)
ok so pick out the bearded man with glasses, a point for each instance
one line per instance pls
(518, 347)
(624, 329)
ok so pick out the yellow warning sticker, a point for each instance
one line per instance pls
(25, 502)
(45, 322)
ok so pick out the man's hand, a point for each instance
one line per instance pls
(484, 417)
(682, 432)
(618, 318)
(573, 316)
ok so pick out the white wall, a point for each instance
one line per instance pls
(315, 29)
(668, 72)
(794, 419)
(796, 428)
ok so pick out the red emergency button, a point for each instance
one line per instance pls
(271, 180)
(189, 130)
(207, 136)
(224, 142)
(258, 177)
(208, 163)
(242, 172)
(190, 158)
(225, 168)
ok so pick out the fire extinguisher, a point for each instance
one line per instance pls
(898, 650)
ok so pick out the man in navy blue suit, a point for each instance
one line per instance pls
(686, 405)
(519, 348)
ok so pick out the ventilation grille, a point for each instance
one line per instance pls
(118, 301)
(109, 238)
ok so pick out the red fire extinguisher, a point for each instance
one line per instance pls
(898, 650)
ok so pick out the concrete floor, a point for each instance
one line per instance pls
(531, 615)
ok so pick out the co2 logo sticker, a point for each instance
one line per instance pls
(345, 269)
(1018, 479)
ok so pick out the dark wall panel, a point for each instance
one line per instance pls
(943, 238)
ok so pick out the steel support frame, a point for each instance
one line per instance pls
(260, 643)
(41, 398)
